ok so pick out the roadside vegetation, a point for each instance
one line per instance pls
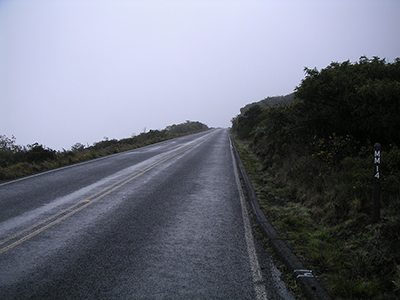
(17, 161)
(311, 161)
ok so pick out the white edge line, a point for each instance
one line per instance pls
(259, 287)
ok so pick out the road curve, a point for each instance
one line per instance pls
(167, 221)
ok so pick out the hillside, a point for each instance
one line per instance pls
(17, 161)
(312, 164)
(269, 101)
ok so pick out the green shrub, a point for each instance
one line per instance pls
(316, 168)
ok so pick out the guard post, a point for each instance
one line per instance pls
(377, 175)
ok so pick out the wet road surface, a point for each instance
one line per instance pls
(165, 221)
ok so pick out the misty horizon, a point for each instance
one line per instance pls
(78, 71)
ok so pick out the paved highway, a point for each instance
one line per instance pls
(167, 221)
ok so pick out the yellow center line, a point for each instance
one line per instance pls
(42, 229)
(37, 224)
(90, 200)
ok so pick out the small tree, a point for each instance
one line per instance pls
(78, 147)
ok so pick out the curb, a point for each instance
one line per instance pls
(305, 278)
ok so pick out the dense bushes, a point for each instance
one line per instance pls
(360, 99)
(338, 115)
(11, 154)
(317, 153)
(185, 128)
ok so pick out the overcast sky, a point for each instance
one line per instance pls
(79, 71)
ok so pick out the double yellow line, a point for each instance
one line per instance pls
(73, 209)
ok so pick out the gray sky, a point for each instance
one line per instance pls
(78, 71)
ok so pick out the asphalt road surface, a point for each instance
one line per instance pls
(167, 221)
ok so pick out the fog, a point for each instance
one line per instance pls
(80, 71)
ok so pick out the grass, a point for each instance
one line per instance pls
(325, 216)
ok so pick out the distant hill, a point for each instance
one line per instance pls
(17, 161)
(277, 100)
